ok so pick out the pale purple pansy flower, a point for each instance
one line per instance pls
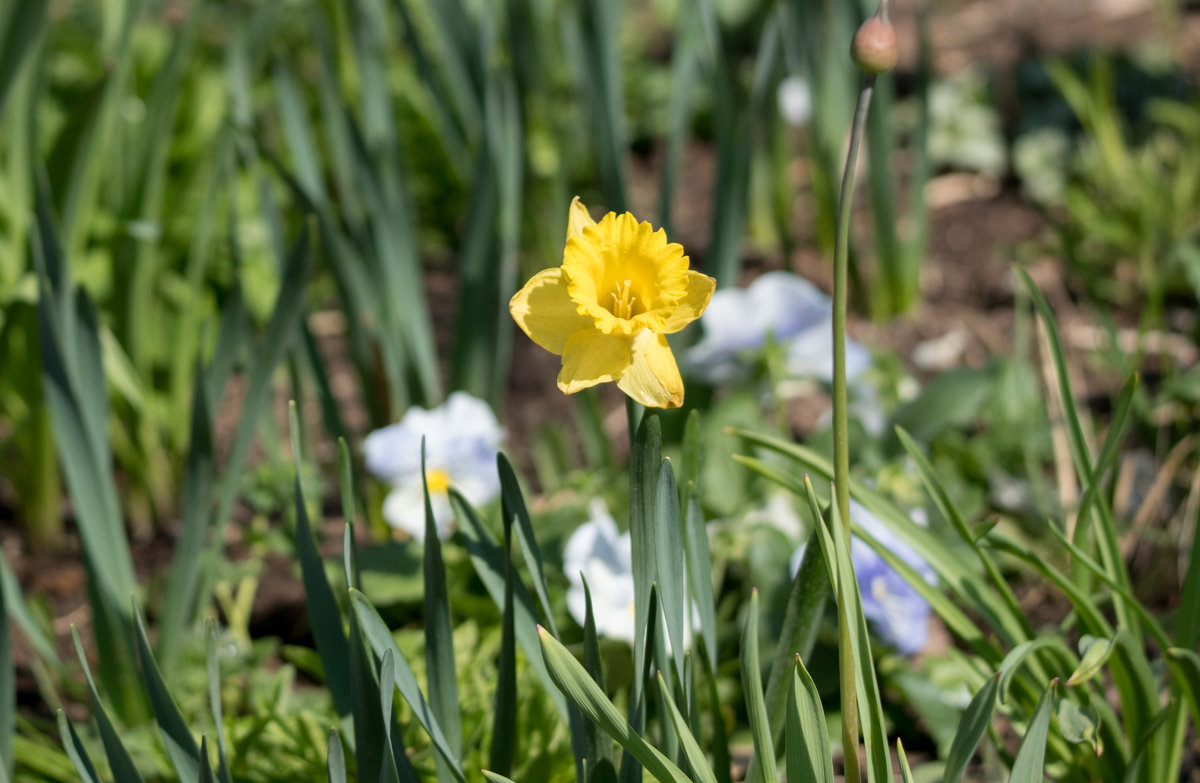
(778, 306)
(462, 438)
(893, 607)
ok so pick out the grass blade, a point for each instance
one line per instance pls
(806, 736)
(18, 611)
(1187, 624)
(975, 721)
(700, 580)
(323, 612)
(335, 758)
(835, 548)
(668, 543)
(387, 689)
(214, 701)
(198, 473)
(380, 639)
(281, 329)
(119, 759)
(8, 691)
(573, 679)
(504, 713)
(24, 23)
(76, 751)
(439, 636)
(756, 708)
(1185, 666)
(644, 466)
(1031, 757)
(515, 513)
(701, 769)
(181, 746)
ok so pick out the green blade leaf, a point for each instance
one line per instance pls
(23, 26)
(756, 709)
(181, 746)
(573, 679)
(119, 760)
(214, 700)
(440, 675)
(975, 721)
(1031, 757)
(701, 770)
(806, 736)
(1185, 666)
(8, 691)
(700, 579)
(336, 759)
(668, 543)
(504, 721)
(488, 559)
(380, 639)
(323, 612)
(76, 751)
(179, 605)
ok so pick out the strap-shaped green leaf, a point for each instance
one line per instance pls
(335, 758)
(119, 759)
(440, 671)
(975, 721)
(701, 770)
(214, 701)
(806, 736)
(1029, 765)
(323, 612)
(582, 691)
(669, 566)
(380, 638)
(756, 708)
(76, 752)
(181, 745)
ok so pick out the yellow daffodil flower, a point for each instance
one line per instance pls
(607, 310)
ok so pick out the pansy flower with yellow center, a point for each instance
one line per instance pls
(607, 310)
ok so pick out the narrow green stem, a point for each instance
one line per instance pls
(841, 427)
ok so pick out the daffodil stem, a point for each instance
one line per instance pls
(841, 427)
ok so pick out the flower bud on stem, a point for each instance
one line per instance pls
(874, 46)
(863, 44)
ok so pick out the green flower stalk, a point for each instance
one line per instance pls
(874, 51)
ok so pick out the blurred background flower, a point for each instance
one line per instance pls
(897, 612)
(597, 552)
(778, 306)
(795, 101)
(462, 437)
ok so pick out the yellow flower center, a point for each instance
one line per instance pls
(625, 275)
(438, 481)
(623, 300)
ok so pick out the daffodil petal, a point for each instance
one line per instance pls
(578, 219)
(700, 289)
(544, 310)
(591, 357)
(653, 377)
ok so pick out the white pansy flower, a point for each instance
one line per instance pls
(462, 437)
(597, 552)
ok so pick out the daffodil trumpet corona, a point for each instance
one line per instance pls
(621, 289)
